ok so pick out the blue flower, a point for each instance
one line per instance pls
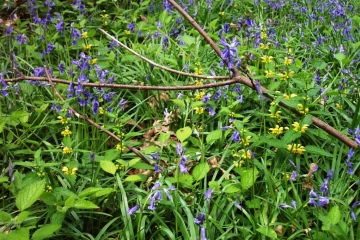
(211, 111)
(203, 233)
(208, 194)
(199, 219)
(230, 51)
(132, 210)
(237, 205)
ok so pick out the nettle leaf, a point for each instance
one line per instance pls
(183, 133)
(267, 231)
(274, 142)
(186, 179)
(84, 204)
(5, 217)
(45, 231)
(334, 215)
(317, 150)
(20, 234)
(232, 188)
(213, 136)
(200, 171)
(108, 166)
(248, 178)
(29, 194)
(290, 136)
(136, 178)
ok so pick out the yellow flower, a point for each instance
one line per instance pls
(267, 59)
(199, 110)
(86, 47)
(73, 171)
(287, 61)
(263, 35)
(101, 110)
(198, 71)
(200, 95)
(298, 128)
(290, 51)
(67, 150)
(120, 147)
(264, 47)
(198, 82)
(222, 13)
(302, 110)
(338, 106)
(246, 154)
(238, 163)
(84, 35)
(246, 141)
(287, 97)
(275, 114)
(286, 75)
(296, 148)
(104, 16)
(197, 64)
(66, 132)
(65, 170)
(277, 130)
(63, 120)
(93, 61)
(269, 74)
(127, 32)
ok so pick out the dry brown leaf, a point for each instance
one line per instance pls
(214, 162)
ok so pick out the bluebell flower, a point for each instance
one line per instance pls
(230, 52)
(156, 186)
(208, 194)
(217, 94)
(206, 98)
(92, 156)
(131, 27)
(199, 219)
(236, 136)
(122, 104)
(21, 38)
(211, 111)
(11, 170)
(237, 205)
(352, 213)
(182, 165)
(132, 210)
(167, 6)
(165, 43)
(203, 233)
(95, 105)
(8, 31)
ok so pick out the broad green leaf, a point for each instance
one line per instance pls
(197, 104)
(69, 202)
(200, 171)
(41, 108)
(108, 166)
(248, 178)
(317, 150)
(20, 234)
(163, 137)
(183, 133)
(45, 231)
(188, 40)
(57, 218)
(20, 115)
(290, 136)
(4, 179)
(215, 185)
(179, 102)
(104, 191)
(48, 198)
(111, 154)
(29, 194)
(307, 120)
(111, 56)
(89, 191)
(340, 57)
(136, 178)
(254, 203)
(151, 149)
(5, 217)
(186, 179)
(134, 161)
(213, 136)
(267, 231)
(232, 188)
(318, 63)
(334, 215)
(22, 217)
(163, 16)
(84, 204)
(274, 142)
(141, 165)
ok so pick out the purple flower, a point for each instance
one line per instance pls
(206, 98)
(199, 219)
(167, 6)
(293, 203)
(132, 210)
(208, 194)
(182, 165)
(230, 51)
(92, 156)
(165, 43)
(236, 136)
(8, 31)
(11, 170)
(203, 233)
(61, 68)
(122, 104)
(156, 186)
(211, 111)
(95, 105)
(131, 27)
(237, 205)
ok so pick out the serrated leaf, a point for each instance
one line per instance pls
(267, 231)
(69, 202)
(183, 133)
(213, 136)
(200, 171)
(334, 215)
(20, 115)
(248, 178)
(290, 136)
(111, 154)
(186, 179)
(57, 218)
(274, 142)
(29, 194)
(5, 217)
(48, 198)
(136, 178)
(84, 204)
(20, 234)
(317, 150)
(22, 217)
(108, 166)
(232, 188)
(307, 120)
(45, 231)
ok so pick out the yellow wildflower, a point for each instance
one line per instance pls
(120, 147)
(298, 128)
(84, 35)
(67, 150)
(338, 106)
(197, 64)
(101, 110)
(275, 114)
(63, 120)
(246, 141)
(267, 59)
(65, 170)
(93, 61)
(127, 32)
(238, 163)
(66, 132)
(104, 16)
(290, 52)
(246, 154)
(287, 61)
(288, 97)
(199, 110)
(302, 109)
(269, 74)
(198, 71)
(86, 47)
(264, 47)
(200, 95)
(73, 171)
(277, 130)
(263, 35)
(222, 13)
(286, 75)
(198, 82)
(296, 148)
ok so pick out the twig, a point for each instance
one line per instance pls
(160, 66)
(247, 82)
(87, 119)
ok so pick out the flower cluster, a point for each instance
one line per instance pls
(156, 194)
(323, 199)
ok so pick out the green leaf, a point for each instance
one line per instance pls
(41, 108)
(215, 185)
(48, 198)
(200, 171)
(20, 234)
(29, 194)
(213, 136)
(334, 215)
(188, 40)
(290, 136)
(69, 202)
(111, 154)
(84, 204)
(318, 63)
(183, 133)
(5, 217)
(179, 102)
(307, 120)
(274, 142)
(141, 165)
(104, 191)
(150, 150)
(111, 56)
(163, 16)
(45, 231)
(4, 179)
(163, 137)
(267, 231)
(134, 161)
(340, 57)
(57, 218)
(136, 178)
(108, 166)
(248, 178)
(22, 217)
(232, 188)
(254, 203)
(89, 191)
(20, 115)
(317, 150)
(186, 179)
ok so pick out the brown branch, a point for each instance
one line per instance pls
(87, 119)
(123, 86)
(160, 66)
(248, 82)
